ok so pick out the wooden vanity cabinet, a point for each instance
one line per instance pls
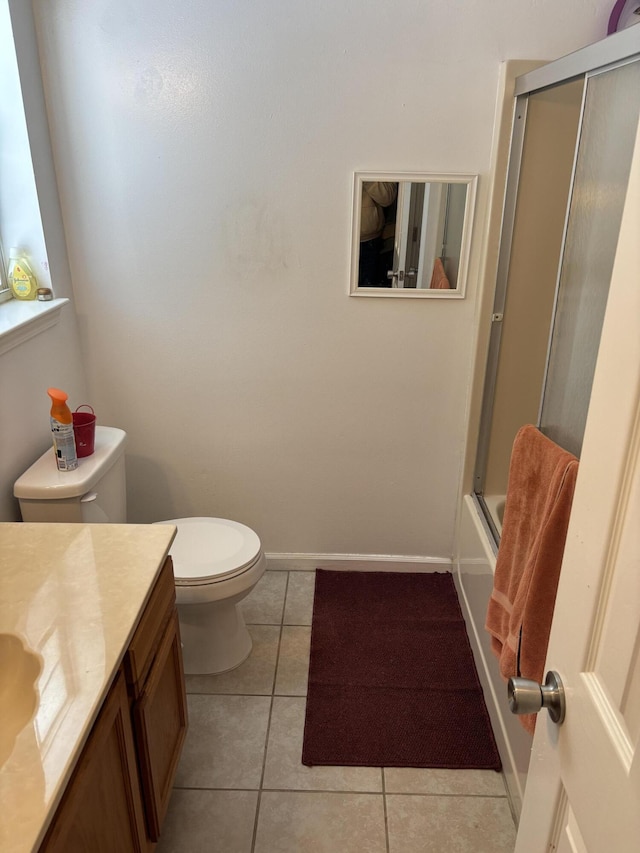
(155, 677)
(101, 810)
(118, 794)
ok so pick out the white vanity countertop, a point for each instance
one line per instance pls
(73, 593)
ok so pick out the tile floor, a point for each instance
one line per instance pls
(241, 787)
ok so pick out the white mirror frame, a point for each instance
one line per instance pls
(465, 246)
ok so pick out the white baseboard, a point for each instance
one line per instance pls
(357, 563)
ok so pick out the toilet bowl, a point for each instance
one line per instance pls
(216, 562)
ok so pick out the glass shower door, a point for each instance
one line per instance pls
(559, 244)
(610, 119)
(534, 221)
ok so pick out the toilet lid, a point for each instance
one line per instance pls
(211, 549)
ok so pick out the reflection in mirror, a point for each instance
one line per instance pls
(411, 234)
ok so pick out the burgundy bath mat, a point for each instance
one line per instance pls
(392, 681)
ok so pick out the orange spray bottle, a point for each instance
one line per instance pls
(64, 443)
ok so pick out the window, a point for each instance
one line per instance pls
(5, 290)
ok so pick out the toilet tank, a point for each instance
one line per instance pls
(94, 493)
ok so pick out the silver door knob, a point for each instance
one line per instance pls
(529, 697)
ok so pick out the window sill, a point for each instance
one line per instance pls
(20, 321)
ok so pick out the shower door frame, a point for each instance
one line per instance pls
(614, 51)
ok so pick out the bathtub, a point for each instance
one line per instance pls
(495, 505)
(474, 565)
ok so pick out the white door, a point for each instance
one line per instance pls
(583, 788)
(402, 234)
(415, 219)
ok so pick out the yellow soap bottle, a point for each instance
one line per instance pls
(22, 281)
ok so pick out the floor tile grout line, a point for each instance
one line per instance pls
(321, 791)
(342, 792)
(259, 790)
(284, 601)
(266, 739)
(281, 790)
(384, 809)
(236, 693)
(450, 795)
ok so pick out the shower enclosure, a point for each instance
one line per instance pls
(573, 130)
(572, 143)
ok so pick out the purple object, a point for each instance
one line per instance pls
(614, 17)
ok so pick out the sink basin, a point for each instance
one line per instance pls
(19, 671)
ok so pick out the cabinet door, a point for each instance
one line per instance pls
(160, 721)
(148, 636)
(101, 810)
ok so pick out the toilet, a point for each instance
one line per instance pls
(216, 562)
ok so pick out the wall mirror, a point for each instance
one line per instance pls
(411, 234)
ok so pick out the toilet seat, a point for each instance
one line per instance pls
(209, 550)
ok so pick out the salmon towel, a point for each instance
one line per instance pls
(542, 478)
(439, 280)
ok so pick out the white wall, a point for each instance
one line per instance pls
(30, 218)
(204, 155)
